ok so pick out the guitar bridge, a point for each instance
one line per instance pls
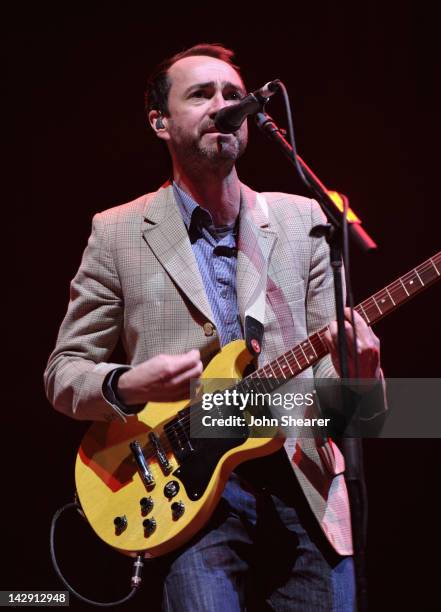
(141, 463)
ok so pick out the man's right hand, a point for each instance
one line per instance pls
(164, 378)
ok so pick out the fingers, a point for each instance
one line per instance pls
(176, 388)
(171, 382)
(367, 346)
(331, 340)
(366, 339)
(187, 376)
(363, 331)
(170, 366)
(331, 335)
(161, 378)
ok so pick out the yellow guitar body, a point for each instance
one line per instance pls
(109, 484)
(156, 518)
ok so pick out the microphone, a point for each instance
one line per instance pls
(230, 118)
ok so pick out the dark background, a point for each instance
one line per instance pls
(363, 80)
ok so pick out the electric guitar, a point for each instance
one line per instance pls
(147, 486)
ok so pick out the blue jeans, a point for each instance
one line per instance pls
(262, 550)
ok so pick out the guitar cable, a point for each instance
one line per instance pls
(136, 572)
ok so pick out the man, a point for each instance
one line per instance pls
(175, 273)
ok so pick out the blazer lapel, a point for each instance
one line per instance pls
(255, 244)
(167, 236)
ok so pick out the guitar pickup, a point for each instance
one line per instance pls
(141, 463)
(165, 464)
(184, 429)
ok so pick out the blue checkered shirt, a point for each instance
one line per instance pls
(216, 254)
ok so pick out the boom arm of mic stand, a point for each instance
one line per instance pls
(334, 215)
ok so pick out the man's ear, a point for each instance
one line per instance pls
(158, 124)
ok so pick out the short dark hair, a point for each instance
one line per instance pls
(158, 84)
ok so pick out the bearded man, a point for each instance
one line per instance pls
(174, 274)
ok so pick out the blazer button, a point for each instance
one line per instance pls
(209, 328)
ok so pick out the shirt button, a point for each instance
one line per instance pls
(209, 328)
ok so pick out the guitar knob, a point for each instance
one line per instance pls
(178, 509)
(146, 504)
(120, 523)
(171, 489)
(149, 526)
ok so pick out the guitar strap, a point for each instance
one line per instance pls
(255, 311)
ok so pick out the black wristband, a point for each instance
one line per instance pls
(110, 386)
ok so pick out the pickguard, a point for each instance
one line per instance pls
(197, 468)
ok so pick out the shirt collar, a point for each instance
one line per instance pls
(193, 215)
(196, 218)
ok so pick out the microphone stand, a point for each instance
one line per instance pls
(351, 446)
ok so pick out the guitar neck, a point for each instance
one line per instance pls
(311, 350)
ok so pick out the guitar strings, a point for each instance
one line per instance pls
(363, 308)
(367, 304)
(196, 410)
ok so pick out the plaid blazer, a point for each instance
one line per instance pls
(139, 280)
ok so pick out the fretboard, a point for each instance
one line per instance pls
(311, 350)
